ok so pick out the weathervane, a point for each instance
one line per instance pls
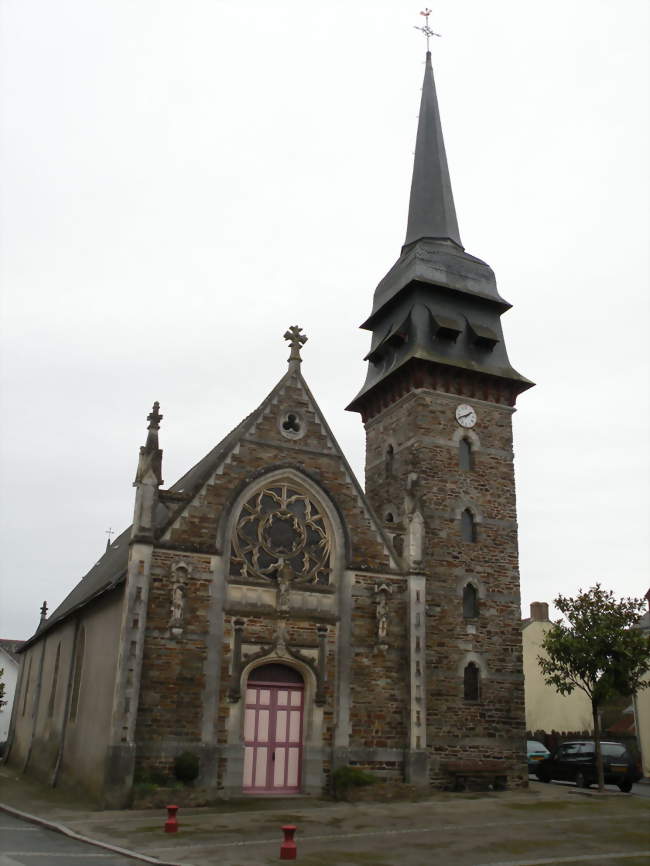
(428, 32)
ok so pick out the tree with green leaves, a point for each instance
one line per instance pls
(597, 650)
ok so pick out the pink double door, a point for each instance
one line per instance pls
(273, 725)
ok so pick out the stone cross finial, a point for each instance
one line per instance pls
(154, 417)
(44, 611)
(428, 32)
(295, 340)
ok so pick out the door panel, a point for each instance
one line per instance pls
(273, 723)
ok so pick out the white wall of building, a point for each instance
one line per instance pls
(9, 678)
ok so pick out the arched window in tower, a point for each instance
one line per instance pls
(280, 527)
(390, 460)
(470, 601)
(467, 526)
(472, 682)
(465, 455)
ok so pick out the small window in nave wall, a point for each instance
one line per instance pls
(278, 526)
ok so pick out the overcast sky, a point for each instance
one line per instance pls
(183, 180)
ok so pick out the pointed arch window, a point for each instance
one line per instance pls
(472, 682)
(467, 526)
(470, 601)
(465, 455)
(281, 526)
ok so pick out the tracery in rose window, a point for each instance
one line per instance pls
(277, 525)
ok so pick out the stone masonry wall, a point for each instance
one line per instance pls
(423, 431)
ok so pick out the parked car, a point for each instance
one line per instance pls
(575, 761)
(536, 752)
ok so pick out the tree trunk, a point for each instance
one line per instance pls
(599, 755)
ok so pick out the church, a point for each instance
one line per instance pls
(275, 618)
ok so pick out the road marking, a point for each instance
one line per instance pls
(580, 858)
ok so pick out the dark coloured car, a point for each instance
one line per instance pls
(536, 752)
(575, 761)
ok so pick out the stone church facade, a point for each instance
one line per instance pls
(268, 614)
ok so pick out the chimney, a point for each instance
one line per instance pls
(539, 611)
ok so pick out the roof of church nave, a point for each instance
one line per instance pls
(110, 570)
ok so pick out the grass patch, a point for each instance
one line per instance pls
(342, 858)
(637, 838)
(543, 806)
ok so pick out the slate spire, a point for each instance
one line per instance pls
(431, 208)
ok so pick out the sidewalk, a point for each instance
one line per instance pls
(547, 824)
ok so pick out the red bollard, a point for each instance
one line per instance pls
(171, 824)
(288, 849)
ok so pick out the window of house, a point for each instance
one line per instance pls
(78, 665)
(55, 677)
(470, 601)
(471, 682)
(467, 526)
(465, 455)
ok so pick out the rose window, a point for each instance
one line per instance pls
(281, 525)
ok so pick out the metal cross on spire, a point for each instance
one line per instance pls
(296, 340)
(110, 531)
(428, 32)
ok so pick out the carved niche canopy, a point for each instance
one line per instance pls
(281, 524)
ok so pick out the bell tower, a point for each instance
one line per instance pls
(437, 407)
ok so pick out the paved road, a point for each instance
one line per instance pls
(25, 844)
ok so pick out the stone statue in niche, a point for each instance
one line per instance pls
(414, 545)
(381, 612)
(180, 573)
(284, 577)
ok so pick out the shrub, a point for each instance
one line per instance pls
(186, 767)
(344, 778)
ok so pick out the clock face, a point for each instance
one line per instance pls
(465, 415)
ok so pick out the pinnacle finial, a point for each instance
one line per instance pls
(154, 417)
(428, 32)
(296, 340)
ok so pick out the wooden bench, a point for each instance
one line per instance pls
(493, 772)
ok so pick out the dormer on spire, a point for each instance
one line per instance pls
(296, 340)
(432, 213)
